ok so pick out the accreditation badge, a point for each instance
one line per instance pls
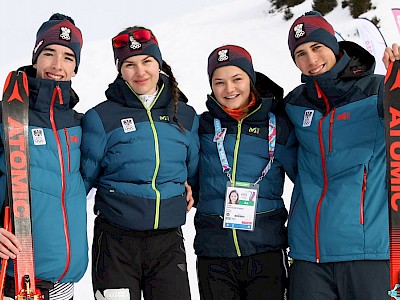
(240, 206)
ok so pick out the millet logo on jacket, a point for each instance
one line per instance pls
(254, 130)
(343, 116)
(164, 118)
(74, 139)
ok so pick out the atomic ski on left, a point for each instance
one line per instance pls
(15, 106)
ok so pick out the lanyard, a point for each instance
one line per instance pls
(219, 140)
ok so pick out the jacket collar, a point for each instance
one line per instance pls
(41, 91)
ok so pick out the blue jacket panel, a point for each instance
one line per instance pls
(247, 140)
(46, 173)
(339, 205)
(140, 173)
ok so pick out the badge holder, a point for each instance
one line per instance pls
(240, 206)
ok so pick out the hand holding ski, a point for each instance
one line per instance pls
(15, 107)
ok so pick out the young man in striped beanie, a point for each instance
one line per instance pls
(58, 196)
(338, 223)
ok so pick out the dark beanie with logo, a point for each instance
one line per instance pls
(312, 27)
(134, 47)
(60, 30)
(231, 55)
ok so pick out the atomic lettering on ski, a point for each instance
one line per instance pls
(18, 164)
(392, 128)
(394, 158)
(15, 106)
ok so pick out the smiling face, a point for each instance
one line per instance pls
(141, 72)
(233, 197)
(231, 87)
(55, 62)
(314, 58)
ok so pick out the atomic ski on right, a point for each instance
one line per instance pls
(392, 128)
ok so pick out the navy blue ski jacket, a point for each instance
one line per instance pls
(58, 198)
(246, 146)
(139, 159)
(339, 206)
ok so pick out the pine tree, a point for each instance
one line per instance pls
(324, 6)
(358, 7)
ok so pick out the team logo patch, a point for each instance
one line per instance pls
(38, 136)
(65, 33)
(223, 55)
(299, 31)
(134, 44)
(128, 125)
(308, 115)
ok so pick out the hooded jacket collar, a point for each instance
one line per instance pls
(270, 94)
(354, 63)
(120, 92)
(41, 92)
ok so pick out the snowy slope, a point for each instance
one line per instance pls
(186, 41)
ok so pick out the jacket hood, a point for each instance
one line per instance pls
(354, 63)
(41, 91)
(271, 97)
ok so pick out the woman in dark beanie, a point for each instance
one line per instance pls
(338, 223)
(140, 148)
(58, 198)
(247, 145)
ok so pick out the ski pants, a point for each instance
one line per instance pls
(255, 277)
(350, 280)
(127, 262)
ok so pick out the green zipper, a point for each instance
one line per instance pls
(235, 156)
(157, 153)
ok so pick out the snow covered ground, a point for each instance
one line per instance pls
(185, 39)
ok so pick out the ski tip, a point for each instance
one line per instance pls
(7, 82)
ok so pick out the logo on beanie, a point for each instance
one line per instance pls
(298, 31)
(223, 55)
(65, 33)
(134, 44)
(38, 46)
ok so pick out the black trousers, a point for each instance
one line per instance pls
(259, 276)
(351, 280)
(150, 261)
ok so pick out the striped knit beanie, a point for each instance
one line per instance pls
(312, 27)
(126, 45)
(60, 30)
(231, 55)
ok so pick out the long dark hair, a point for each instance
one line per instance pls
(175, 93)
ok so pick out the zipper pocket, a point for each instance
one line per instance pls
(363, 189)
(331, 120)
(68, 149)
